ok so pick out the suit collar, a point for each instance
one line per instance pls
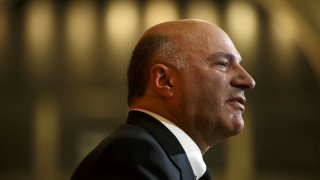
(167, 140)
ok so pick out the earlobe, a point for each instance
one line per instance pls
(161, 80)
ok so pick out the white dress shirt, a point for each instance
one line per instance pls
(190, 147)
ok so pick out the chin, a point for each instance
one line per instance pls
(236, 126)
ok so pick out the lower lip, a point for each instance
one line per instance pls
(236, 105)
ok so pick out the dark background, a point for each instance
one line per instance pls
(63, 82)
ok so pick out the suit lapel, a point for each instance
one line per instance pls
(167, 140)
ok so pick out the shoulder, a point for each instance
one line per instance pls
(132, 151)
(130, 141)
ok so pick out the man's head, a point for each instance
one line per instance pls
(189, 72)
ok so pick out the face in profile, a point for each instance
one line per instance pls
(213, 86)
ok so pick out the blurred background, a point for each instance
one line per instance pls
(63, 82)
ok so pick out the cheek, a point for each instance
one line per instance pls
(206, 87)
(215, 91)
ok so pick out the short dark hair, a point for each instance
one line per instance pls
(155, 45)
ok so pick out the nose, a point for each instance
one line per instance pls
(243, 79)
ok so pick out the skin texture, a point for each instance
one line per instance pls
(205, 96)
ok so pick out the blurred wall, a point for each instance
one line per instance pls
(63, 82)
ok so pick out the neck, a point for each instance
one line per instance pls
(173, 115)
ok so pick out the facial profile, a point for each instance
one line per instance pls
(213, 85)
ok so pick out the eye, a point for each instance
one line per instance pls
(223, 63)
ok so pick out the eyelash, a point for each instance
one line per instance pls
(223, 64)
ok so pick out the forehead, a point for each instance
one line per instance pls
(197, 38)
(207, 40)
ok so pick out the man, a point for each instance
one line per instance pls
(186, 94)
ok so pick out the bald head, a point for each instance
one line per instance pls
(181, 27)
(186, 33)
(170, 43)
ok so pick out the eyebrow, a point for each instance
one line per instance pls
(226, 55)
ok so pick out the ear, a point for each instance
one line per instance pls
(161, 80)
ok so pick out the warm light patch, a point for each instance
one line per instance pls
(4, 39)
(121, 21)
(159, 11)
(242, 24)
(80, 27)
(284, 26)
(39, 33)
(4, 28)
(80, 36)
(204, 10)
(46, 138)
(284, 39)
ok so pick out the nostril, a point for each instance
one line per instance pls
(244, 87)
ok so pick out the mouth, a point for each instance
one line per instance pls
(238, 102)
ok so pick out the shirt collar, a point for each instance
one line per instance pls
(190, 147)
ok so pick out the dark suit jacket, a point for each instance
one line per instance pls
(143, 148)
